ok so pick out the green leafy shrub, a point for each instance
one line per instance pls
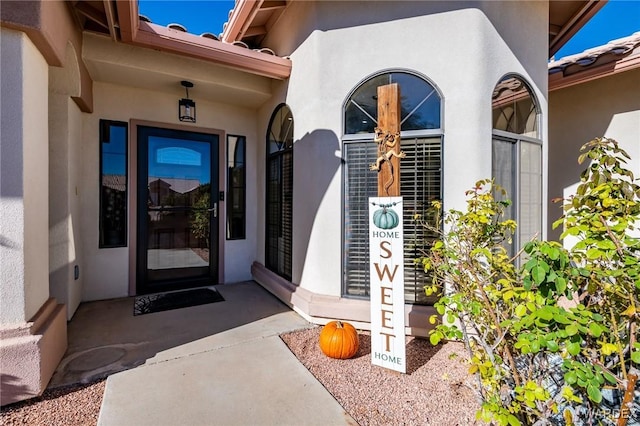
(568, 312)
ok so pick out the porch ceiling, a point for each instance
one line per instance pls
(134, 66)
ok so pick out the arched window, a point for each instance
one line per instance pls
(279, 192)
(517, 155)
(514, 108)
(420, 104)
(420, 175)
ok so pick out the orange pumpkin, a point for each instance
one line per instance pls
(339, 340)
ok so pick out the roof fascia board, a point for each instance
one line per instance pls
(241, 16)
(159, 37)
(558, 81)
(128, 19)
(575, 23)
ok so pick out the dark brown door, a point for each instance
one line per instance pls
(177, 209)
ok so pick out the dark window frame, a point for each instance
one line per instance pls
(282, 159)
(104, 135)
(231, 191)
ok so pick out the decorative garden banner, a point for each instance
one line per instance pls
(386, 253)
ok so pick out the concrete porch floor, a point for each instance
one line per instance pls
(105, 338)
(220, 363)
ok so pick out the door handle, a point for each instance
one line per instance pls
(214, 209)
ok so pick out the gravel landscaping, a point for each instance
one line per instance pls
(433, 392)
(65, 406)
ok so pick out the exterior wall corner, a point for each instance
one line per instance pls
(30, 353)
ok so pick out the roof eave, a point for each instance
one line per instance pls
(239, 19)
(166, 39)
(128, 19)
(559, 81)
(140, 33)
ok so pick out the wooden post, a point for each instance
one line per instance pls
(386, 239)
(389, 123)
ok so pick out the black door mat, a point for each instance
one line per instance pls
(175, 300)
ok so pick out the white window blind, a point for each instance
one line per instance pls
(420, 183)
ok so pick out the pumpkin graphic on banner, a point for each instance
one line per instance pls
(385, 218)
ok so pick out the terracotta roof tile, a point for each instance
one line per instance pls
(610, 52)
(210, 35)
(178, 27)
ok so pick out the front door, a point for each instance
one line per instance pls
(177, 209)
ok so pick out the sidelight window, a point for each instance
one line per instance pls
(113, 184)
(236, 187)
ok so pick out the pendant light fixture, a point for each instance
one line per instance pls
(186, 106)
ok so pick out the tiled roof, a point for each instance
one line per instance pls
(610, 52)
(182, 28)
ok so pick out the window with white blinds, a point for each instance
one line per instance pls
(420, 175)
(420, 183)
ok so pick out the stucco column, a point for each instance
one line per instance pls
(32, 325)
(64, 210)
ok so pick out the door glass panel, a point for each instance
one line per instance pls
(179, 208)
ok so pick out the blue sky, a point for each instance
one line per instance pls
(618, 18)
(198, 16)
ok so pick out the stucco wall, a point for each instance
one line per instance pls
(464, 48)
(65, 165)
(107, 270)
(608, 106)
(24, 180)
(65, 249)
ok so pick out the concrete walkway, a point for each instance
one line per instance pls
(215, 364)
